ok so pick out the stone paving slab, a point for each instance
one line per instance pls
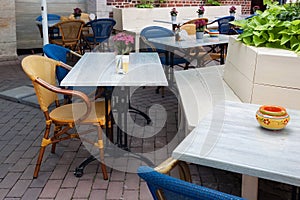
(18, 93)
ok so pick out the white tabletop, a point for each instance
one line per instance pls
(190, 41)
(231, 139)
(51, 23)
(99, 69)
(201, 89)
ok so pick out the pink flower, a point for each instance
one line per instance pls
(173, 12)
(232, 9)
(123, 42)
(201, 10)
(77, 12)
(200, 24)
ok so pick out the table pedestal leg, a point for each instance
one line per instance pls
(249, 187)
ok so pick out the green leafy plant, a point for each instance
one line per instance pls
(145, 4)
(276, 27)
(212, 3)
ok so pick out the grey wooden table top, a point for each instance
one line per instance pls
(230, 138)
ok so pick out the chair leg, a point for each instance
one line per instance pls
(101, 149)
(42, 151)
(38, 163)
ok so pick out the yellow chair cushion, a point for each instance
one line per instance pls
(71, 112)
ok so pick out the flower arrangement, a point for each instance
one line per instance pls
(232, 9)
(77, 12)
(255, 8)
(174, 12)
(200, 25)
(123, 43)
(201, 10)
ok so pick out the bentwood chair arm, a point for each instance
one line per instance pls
(145, 41)
(68, 92)
(169, 164)
(64, 65)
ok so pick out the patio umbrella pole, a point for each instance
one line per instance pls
(44, 21)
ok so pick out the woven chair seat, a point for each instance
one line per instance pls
(70, 112)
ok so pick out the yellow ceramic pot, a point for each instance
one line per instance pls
(272, 117)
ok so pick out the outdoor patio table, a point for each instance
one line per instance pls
(230, 138)
(51, 23)
(191, 43)
(99, 69)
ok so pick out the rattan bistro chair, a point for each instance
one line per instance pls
(70, 34)
(41, 70)
(164, 187)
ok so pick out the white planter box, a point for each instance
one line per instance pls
(138, 18)
(263, 75)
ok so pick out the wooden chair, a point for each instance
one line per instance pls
(189, 28)
(41, 71)
(84, 17)
(192, 21)
(212, 56)
(70, 34)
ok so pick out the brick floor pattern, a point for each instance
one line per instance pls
(21, 129)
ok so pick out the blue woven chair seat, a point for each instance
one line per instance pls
(173, 188)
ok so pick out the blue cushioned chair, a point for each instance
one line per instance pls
(53, 31)
(157, 31)
(59, 53)
(102, 29)
(172, 188)
(224, 27)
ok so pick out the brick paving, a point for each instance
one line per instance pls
(21, 129)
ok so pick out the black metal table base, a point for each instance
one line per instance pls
(122, 137)
(79, 171)
(137, 111)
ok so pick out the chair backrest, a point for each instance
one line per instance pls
(84, 17)
(189, 28)
(223, 24)
(194, 20)
(58, 53)
(172, 188)
(36, 66)
(154, 32)
(102, 28)
(70, 31)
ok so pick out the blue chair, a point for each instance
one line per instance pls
(53, 31)
(172, 188)
(164, 55)
(157, 31)
(59, 53)
(224, 27)
(102, 29)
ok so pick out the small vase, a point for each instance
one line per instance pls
(173, 18)
(199, 35)
(77, 17)
(200, 16)
(232, 14)
(122, 64)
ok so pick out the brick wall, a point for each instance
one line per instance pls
(246, 4)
